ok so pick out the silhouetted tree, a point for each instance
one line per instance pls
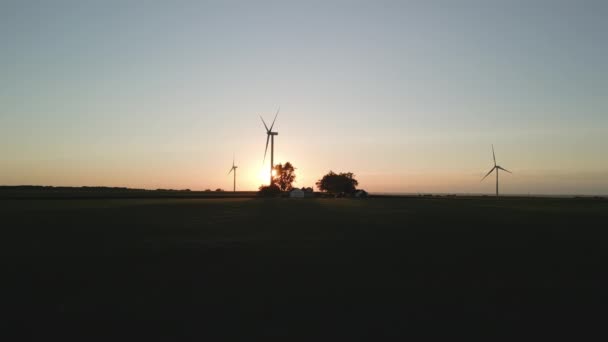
(284, 176)
(337, 183)
(269, 190)
(219, 190)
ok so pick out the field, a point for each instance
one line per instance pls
(302, 268)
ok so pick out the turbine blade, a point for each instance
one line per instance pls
(275, 118)
(493, 155)
(484, 177)
(500, 167)
(233, 160)
(266, 150)
(264, 122)
(229, 172)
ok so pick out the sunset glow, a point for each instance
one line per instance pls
(264, 175)
(408, 98)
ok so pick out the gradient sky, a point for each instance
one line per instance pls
(408, 95)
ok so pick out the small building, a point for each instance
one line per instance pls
(296, 193)
(360, 194)
(308, 192)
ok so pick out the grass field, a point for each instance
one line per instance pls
(303, 268)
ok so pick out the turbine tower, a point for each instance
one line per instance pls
(233, 168)
(270, 137)
(496, 167)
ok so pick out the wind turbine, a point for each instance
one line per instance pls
(270, 137)
(233, 168)
(496, 167)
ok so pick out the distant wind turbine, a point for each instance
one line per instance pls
(233, 168)
(270, 137)
(496, 167)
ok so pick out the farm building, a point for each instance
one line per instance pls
(296, 193)
(361, 194)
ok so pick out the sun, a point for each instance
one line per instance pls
(264, 175)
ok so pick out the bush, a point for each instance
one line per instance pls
(269, 190)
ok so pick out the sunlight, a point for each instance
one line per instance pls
(264, 175)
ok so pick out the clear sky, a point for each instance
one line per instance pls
(408, 95)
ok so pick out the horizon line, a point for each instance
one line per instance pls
(380, 193)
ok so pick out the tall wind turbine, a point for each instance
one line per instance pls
(233, 168)
(270, 137)
(496, 167)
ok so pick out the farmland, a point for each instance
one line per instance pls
(358, 268)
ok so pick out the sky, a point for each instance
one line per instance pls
(407, 95)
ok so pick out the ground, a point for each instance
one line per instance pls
(303, 268)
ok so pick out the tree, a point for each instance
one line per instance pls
(337, 183)
(284, 176)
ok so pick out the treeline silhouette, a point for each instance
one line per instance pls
(68, 188)
(92, 192)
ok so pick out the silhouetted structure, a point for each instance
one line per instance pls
(496, 167)
(296, 193)
(360, 193)
(233, 168)
(270, 136)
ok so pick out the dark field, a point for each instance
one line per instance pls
(144, 269)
